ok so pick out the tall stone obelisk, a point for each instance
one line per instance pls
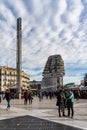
(19, 56)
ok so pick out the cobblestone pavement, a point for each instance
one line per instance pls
(46, 109)
(32, 123)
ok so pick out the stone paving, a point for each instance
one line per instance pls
(32, 123)
(47, 110)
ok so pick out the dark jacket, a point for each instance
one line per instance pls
(30, 96)
(58, 99)
(25, 95)
(7, 96)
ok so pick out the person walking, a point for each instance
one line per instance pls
(8, 97)
(25, 97)
(40, 95)
(78, 94)
(30, 98)
(0, 98)
(70, 102)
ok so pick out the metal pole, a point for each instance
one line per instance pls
(19, 57)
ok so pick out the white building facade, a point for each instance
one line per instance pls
(8, 78)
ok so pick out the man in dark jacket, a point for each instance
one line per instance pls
(8, 97)
(25, 96)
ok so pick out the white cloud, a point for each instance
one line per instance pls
(37, 7)
(50, 28)
(72, 79)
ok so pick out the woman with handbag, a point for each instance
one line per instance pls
(60, 103)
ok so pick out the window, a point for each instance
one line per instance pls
(5, 77)
(5, 73)
(4, 83)
(10, 83)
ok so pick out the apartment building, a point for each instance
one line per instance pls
(8, 78)
(85, 79)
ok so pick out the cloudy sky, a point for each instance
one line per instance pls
(49, 27)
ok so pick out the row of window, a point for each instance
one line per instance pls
(12, 74)
(5, 84)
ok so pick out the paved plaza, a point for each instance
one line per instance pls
(41, 115)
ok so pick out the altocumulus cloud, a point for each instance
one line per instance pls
(49, 27)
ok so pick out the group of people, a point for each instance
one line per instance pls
(65, 101)
(8, 96)
(28, 97)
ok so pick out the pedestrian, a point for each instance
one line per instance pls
(8, 98)
(30, 98)
(60, 103)
(0, 98)
(63, 101)
(25, 97)
(70, 103)
(40, 95)
(78, 94)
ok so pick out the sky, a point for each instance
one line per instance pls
(49, 27)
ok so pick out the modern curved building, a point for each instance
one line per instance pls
(53, 72)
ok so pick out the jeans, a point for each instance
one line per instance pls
(8, 104)
(61, 109)
(70, 108)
